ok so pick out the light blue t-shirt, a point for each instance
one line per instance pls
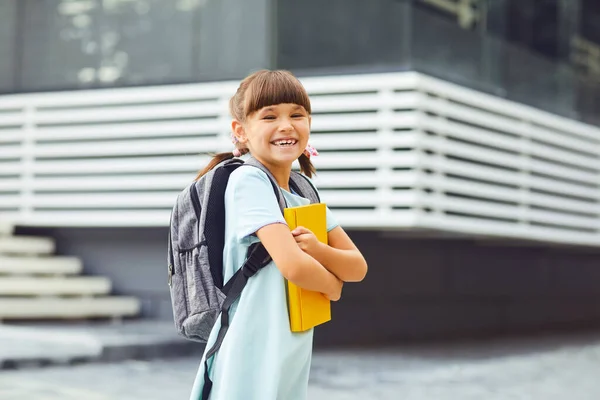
(260, 358)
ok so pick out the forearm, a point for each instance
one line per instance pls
(309, 274)
(347, 265)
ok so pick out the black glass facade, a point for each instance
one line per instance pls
(541, 52)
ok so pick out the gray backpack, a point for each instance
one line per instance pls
(195, 249)
(195, 254)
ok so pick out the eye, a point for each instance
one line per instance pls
(269, 117)
(297, 115)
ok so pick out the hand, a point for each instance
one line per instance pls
(306, 240)
(336, 294)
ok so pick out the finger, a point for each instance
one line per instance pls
(300, 230)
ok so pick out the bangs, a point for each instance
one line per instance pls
(275, 87)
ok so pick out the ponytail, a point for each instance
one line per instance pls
(217, 158)
(306, 166)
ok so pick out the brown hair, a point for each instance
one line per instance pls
(261, 89)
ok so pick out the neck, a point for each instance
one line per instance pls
(280, 173)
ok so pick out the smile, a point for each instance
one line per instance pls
(284, 142)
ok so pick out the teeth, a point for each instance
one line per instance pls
(285, 142)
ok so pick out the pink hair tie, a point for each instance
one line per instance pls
(237, 153)
(310, 151)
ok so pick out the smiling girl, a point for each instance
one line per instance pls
(260, 358)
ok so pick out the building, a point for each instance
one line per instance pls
(459, 143)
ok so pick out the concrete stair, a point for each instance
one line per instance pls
(36, 285)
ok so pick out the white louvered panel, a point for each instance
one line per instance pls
(509, 177)
(512, 109)
(119, 157)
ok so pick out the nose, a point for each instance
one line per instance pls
(285, 125)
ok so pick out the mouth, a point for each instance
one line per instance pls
(284, 142)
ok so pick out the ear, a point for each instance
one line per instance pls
(309, 121)
(238, 130)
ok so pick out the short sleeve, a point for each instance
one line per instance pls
(332, 222)
(251, 202)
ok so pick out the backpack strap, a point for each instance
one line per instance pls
(257, 258)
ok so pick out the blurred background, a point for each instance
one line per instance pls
(459, 147)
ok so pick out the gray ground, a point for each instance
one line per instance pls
(566, 367)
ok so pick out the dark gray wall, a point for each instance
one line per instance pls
(57, 44)
(415, 289)
(8, 43)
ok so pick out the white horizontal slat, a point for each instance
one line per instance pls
(11, 152)
(26, 245)
(110, 200)
(333, 103)
(487, 228)
(146, 147)
(38, 286)
(365, 179)
(9, 201)
(6, 227)
(21, 265)
(10, 184)
(11, 136)
(147, 165)
(369, 140)
(122, 182)
(130, 130)
(363, 122)
(12, 119)
(130, 113)
(366, 160)
(368, 198)
(27, 308)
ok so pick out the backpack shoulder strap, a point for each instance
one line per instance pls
(304, 187)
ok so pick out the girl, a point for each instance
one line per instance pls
(260, 358)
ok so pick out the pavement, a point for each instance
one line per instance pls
(28, 345)
(554, 367)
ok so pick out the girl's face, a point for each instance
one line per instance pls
(276, 135)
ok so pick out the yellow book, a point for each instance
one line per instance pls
(307, 309)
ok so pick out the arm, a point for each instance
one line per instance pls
(340, 256)
(295, 265)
